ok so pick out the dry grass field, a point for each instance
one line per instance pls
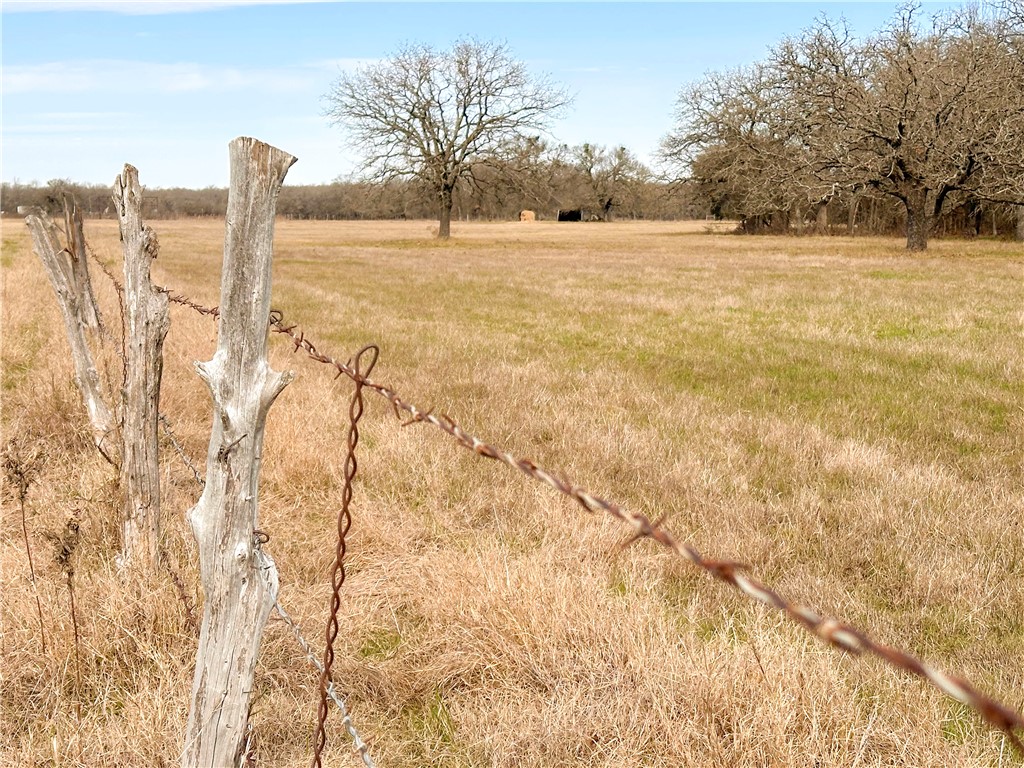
(841, 416)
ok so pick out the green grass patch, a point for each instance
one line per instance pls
(960, 723)
(432, 732)
(893, 331)
(8, 248)
(888, 274)
(380, 644)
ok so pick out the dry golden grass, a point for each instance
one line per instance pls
(842, 416)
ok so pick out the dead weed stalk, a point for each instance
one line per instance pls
(65, 544)
(20, 469)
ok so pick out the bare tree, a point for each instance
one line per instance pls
(433, 115)
(926, 116)
(523, 175)
(929, 116)
(739, 139)
(608, 178)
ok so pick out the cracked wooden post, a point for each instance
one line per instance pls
(60, 269)
(146, 322)
(238, 577)
(75, 230)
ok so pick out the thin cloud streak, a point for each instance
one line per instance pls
(146, 77)
(138, 7)
(67, 123)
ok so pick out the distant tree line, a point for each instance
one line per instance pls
(605, 183)
(921, 124)
(544, 188)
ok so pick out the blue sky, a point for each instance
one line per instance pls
(88, 86)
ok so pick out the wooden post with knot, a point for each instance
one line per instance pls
(238, 577)
(146, 322)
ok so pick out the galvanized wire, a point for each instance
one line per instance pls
(346, 720)
(181, 451)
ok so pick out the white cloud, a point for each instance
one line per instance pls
(137, 7)
(144, 77)
(342, 65)
(65, 123)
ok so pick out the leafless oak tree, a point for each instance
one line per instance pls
(609, 180)
(927, 115)
(924, 115)
(433, 115)
(740, 139)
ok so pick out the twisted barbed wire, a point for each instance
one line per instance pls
(185, 301)
(346, 720)
(355, 411)
(836, 633)
(331, 692)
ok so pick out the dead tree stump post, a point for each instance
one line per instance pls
(239, 579)
(61, 271)
(75, 230)
(146, 322)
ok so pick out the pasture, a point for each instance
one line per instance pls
(841, 416)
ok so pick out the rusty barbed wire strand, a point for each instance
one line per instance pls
(834, 632)
(346, 720)
(177, 298)
(191, 615)
(355, 412)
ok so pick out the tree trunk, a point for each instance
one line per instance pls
(978, 219)
(821, 220)
(1020, 223)
(60, 270)
(238, 577)
(146, 322)
(851, 220)
(444, 229)
(919, 221)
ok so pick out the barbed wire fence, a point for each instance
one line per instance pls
(839, 634)
(330, 689)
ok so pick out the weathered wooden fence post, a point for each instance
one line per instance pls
(61, 270)
(239, 579)
(146, 322)
(75, 230)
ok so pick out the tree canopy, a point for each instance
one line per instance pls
(436, 115)
(926, 114)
